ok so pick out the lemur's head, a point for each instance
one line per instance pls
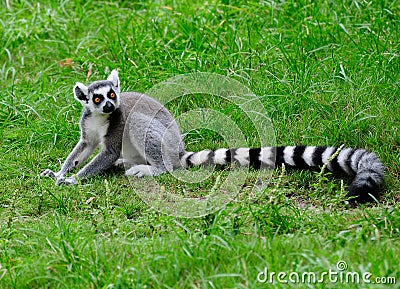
(100, 96)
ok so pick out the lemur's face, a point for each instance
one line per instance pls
(101, 96)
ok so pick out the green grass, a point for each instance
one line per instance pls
(326, 72)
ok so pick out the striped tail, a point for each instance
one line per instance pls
(366, 166)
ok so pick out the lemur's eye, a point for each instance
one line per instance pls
(112, 95)
(97, 100)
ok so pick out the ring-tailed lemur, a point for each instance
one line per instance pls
(145, 133)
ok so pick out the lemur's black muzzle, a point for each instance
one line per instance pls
(108, 107)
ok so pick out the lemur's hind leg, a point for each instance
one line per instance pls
(157, 144)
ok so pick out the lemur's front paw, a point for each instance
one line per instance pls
(66, 181)
(49, 173)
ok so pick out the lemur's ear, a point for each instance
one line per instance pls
(113, 77)
(81, 92)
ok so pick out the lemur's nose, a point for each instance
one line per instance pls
(108, 107)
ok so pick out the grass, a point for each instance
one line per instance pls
(325, 72)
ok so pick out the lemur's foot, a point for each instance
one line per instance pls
(66, 181)
(50, 174)
(140, 171)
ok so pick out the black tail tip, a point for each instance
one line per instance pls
(361, 194)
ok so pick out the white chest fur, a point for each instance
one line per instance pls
(96, 127)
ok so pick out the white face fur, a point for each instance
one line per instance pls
(101, 96)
